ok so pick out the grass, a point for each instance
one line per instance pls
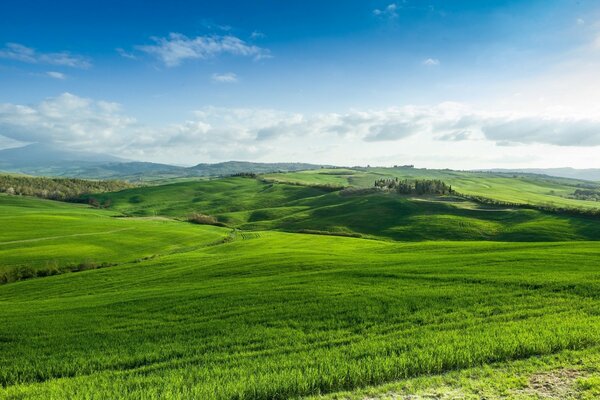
(473, 301)
(252, 204)
(282, 315)
(43, 234)
(571, 374)
(510, 188)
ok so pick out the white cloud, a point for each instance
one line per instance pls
(176, 48)
(67, 120)
(580, 21)
(56, 75)
(257, 35)
(390, 11)
(431, 62)
(228, 77)
(18, 52)
(217, 134)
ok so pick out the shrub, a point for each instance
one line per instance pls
(203, 219)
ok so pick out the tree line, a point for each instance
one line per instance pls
(414, 186)
(64, 189)
(586, 194)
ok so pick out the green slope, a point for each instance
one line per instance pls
(43, 234)
(511, 188)
(276, 316)
(252, 204)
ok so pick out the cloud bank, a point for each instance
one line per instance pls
(213, 133)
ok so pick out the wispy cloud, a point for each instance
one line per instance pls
(126, 54)
(257, 35)
(390, 11)
(228, 77)
(431, 62)
(176, 48)
(56, 75)
(19, 52)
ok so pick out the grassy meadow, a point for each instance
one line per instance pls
(48, 235)
(509, 188)
(253, 204)
(432, 296)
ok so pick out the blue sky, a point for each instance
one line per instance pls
(461, 84)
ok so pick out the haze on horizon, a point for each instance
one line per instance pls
(460, 84)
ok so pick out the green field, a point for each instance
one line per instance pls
(253, 204)
(282, 315)
(43, 234)
(511, 188)
(438, 297)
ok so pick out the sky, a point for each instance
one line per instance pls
(435, 83)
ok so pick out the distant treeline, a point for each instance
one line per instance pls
(586, 194)
(414, 186)
(65, 189)
(329, 187)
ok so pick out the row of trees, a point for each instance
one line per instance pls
(586, 194)
(414, 186)
(65, 189)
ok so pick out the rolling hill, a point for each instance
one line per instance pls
(502, 187)
(48, 160)
(438, 294)
(255, 204)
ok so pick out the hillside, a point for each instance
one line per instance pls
(253, 204)
(145, 305)
(503, 187)
(590, 174)
(67, 235)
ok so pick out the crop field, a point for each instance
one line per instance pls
(450, 298)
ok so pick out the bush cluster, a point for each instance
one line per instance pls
(203, 219)
(414, 186)
(23, 272)
(64, 189)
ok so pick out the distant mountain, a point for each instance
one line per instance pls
(233, 167)
(590, 174)
(46, 160)
(37, 154)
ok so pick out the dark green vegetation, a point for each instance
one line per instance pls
(586, 194)
(55, 188)
(250, 310)
(253, 204)
(417, 187)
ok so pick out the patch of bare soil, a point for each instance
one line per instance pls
(552, 385)
(443, 394)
